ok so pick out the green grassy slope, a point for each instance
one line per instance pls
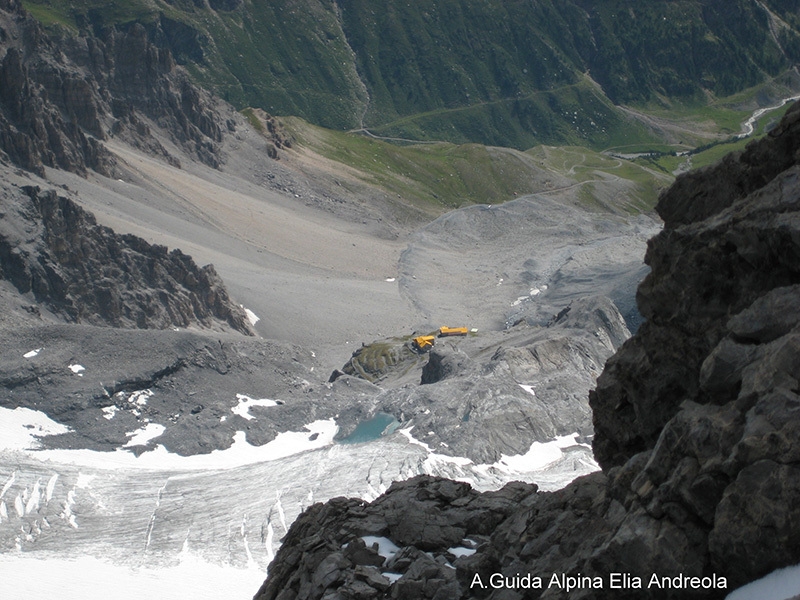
(510, 72)
(441, 176)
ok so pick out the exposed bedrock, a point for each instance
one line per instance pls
(703, 273)
(59, 99)
(492, 393)
(54, 251)
(696, 428)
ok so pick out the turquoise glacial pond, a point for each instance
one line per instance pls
(372, 429)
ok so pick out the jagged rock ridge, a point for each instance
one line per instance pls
(60, 98)
(54, 250)
(696, 429)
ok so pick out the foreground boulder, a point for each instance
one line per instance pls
(696, 421)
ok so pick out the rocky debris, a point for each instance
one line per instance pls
(55, 251)
(696, 430)
(333, 545)
(523, 261)
(104, 383)
(269, 127)
(59, 98)
(491, 393)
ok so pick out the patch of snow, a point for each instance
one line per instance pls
(371, 493)
(539, 456)
(20, 427)
(386, 547)
(782, 584)
(281, 514)
(245, 402)
(9, 483)
(109, 412)
(251, 316)
(140, 437)
(434, 460)
(33, 502)
(251, 562)
(412, 440)
(140, 397)
(527, 388)
(32, 353)
(392, 577)
(51, 485)
(460, 551)
(519, 300)
(531, 294)
(540, 464)
(84, 481)
(66, 514)
(268, 542)
(318, 434)
(76, 368)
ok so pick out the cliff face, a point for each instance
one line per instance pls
(695, 421)
(59, 98)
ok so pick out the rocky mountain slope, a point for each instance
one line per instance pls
(60, 97)
(109, 122)
(696, 431)
(166, 163)
(53, 249)
(492, 393)
(495, 73)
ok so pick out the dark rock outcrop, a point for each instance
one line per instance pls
(377, 360)
(703, 272)
(54, 250)
(326, 549)
(33, 132)
(696, 430)
(442, 363)
(60, 98)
